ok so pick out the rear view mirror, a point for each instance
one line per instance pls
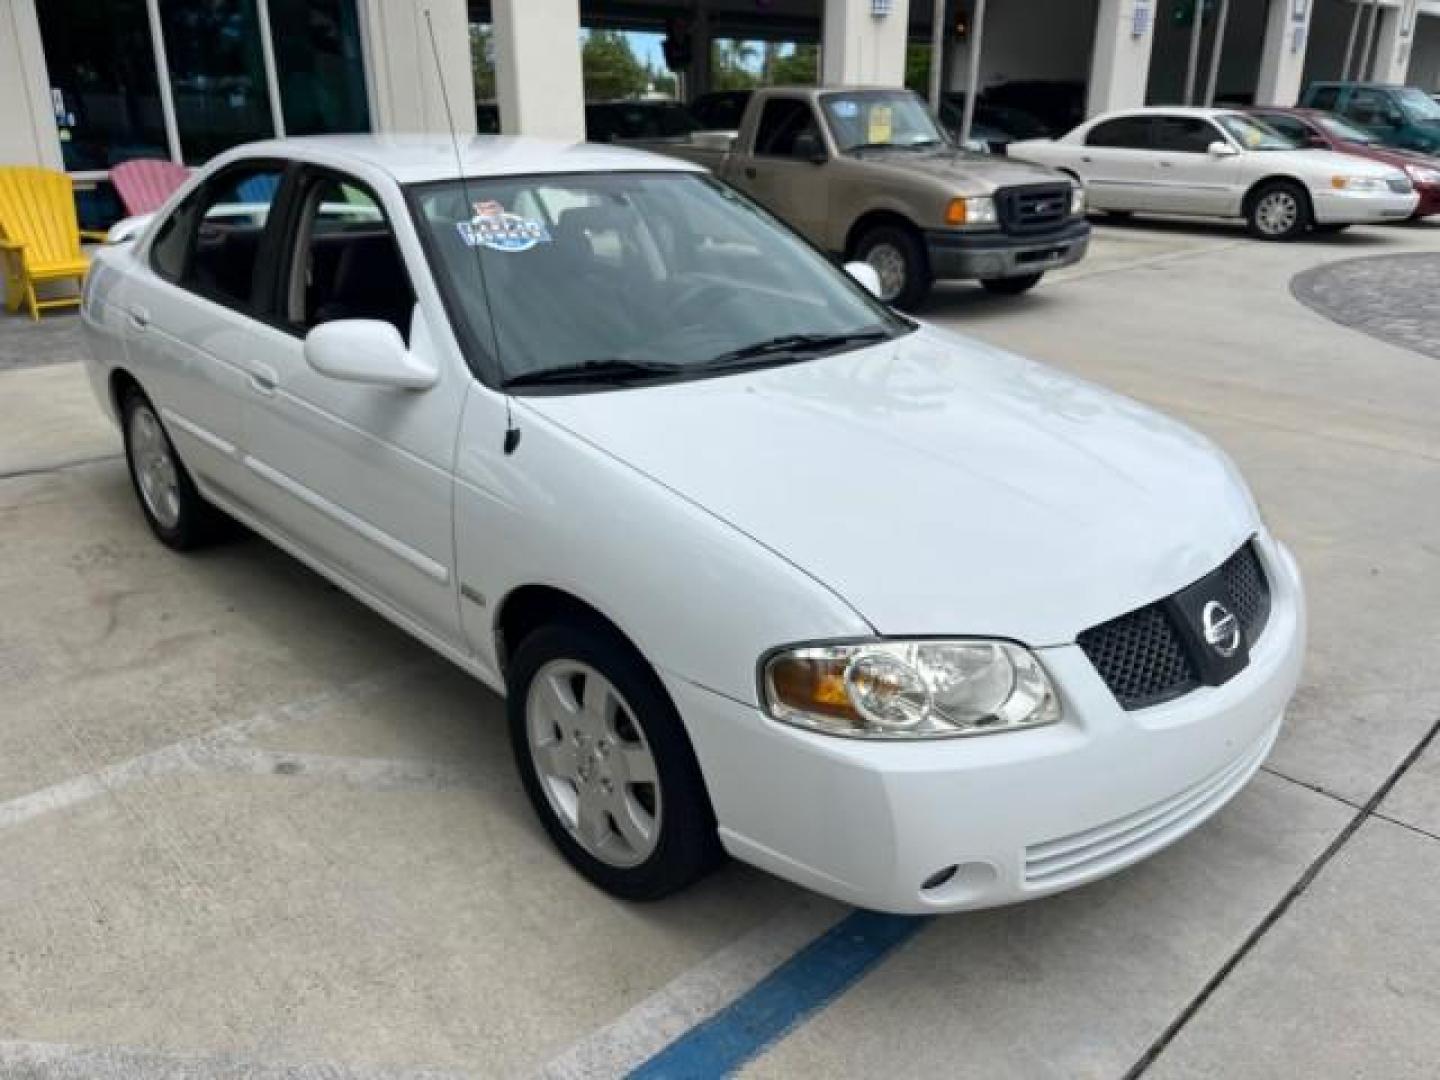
(866, 275)
(366, 351)
(1220, 149)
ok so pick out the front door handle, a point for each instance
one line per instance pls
(1165, 164)
(139, 317)
(264, 379)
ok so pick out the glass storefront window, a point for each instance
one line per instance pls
(104, 89)
(320, 67)
(217, 74)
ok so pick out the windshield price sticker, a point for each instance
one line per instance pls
(846, 110)
(882, 124)
(496, 228)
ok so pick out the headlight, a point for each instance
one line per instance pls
(976, 210)
(1077, 200)
(909, 689)
(1358, 183)
(1422, 174)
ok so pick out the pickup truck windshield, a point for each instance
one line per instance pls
(633, 277)
(879, 119)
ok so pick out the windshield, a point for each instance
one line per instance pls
(1253, 135)
(1419, 106)
(1343, 130)
(667, 270)
(883, 118)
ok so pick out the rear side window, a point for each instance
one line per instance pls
(1122, 133)
(1325, 98)
(211, 243)
(1182, 134)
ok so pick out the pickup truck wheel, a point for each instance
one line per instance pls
(899, 259)
(1011, 286)
(607, 764)
(1280, 210)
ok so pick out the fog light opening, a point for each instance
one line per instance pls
(940, 877)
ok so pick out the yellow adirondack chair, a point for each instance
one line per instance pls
(39, 236)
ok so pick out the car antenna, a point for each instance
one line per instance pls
(512, 433)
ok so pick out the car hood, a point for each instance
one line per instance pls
(972, 172)
(937, 485)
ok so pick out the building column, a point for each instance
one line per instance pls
(404, 78)
(1394, 38)
(538, 75)
(861, 48)
(28, 135)
(1282, 55)
(1120, 64)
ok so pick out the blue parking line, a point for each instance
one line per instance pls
(805, 983)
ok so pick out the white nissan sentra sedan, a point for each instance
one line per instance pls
(761, 566)
(1222, 163)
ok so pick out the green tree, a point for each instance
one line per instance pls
(481, 39)
(611, 67)
(799, 67)
(732, 65)
(917, 68)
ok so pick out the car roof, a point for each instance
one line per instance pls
(1205, 112)
(419, 158)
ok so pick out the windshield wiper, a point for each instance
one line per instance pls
(610, 370)
(790, 346)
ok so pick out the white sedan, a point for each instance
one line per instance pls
(1220, 163)
(761, 566)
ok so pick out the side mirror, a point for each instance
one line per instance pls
(866, 275)
(367, 351)
(1221, 149)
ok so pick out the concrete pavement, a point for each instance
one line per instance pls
(248, 829)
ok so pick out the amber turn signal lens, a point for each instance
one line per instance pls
(955, 212)
(811, 685)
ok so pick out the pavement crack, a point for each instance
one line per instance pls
(1308, 786)
(42, 470)
(1406, 825)
(1276, 913)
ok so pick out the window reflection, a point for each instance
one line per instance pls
(321, 70)
(104, 90)
(217, 74)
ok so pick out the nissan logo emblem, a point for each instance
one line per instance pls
(1222, 629)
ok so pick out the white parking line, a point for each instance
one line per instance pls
(188, 755)
(697, 994)
(60, 1061)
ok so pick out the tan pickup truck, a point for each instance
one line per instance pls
(867, 174)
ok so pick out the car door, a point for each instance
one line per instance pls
(1116, 165)
(357, 475)
(189, 310)
(1373, 110)
(785, 171)
(1188, 178)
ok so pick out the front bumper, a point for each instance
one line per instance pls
(956, 254)
(1018, 815)
(1345, 208)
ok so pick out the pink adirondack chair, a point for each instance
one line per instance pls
(145, 183)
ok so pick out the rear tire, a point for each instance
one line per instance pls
(1011, 286)
(176, 512)
(1279, 210)
(899, 257)
(607, 764)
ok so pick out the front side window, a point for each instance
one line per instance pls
(1253, 135)
(1293, 128)
(1369, 107)
(788, 129)
(1325, 98)
(220, 234)
(879, 120)
(1122, 133)
(670, 271)
(347, 264)
(1182, 134)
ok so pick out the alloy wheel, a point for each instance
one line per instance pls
(889, 264)
(154, 464)
(1277, 213)
(594, 763)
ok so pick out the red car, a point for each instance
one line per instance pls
(1326, 131)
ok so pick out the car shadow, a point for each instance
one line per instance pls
(1366, 236)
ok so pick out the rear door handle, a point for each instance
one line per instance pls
(139, 317)
(264, 379)
(1165, 164)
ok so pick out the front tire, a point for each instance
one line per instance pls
(1011, 286)
(176, 512)
(1279, 210)
(899, 258)
(606, 763)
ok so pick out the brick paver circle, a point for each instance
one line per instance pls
(1391, 297)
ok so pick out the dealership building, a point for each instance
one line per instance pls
(85, 84)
